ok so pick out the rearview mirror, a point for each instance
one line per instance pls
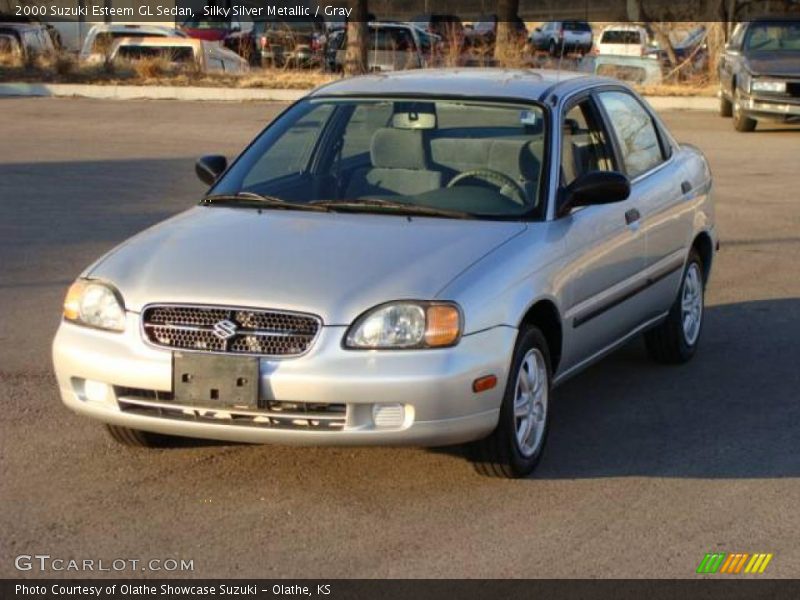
(209, 168)
(597, 187)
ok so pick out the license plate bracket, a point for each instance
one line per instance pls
(215, 381)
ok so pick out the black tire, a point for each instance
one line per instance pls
(667, 343)
(499, 454)
(725, 107)
(741, 122)
(138, 439)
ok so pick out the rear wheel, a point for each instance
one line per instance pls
(137, 438)
(741, 122)
(515, 446)
(676, 339)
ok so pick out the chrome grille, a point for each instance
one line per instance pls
(274, 414)
(229, 330)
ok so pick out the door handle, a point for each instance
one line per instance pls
(632, 216)
(686, 187)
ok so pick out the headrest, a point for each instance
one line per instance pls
(399, 149)
(514, 157)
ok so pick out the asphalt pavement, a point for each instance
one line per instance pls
(647, 467)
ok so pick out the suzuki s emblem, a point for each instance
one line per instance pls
(225, 329)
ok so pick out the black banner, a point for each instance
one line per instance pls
(176, 589)
(341, 10)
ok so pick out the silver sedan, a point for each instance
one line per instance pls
(418, 258)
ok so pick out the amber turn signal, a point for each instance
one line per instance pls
(443, 325)
(72, 301)
(483, 384)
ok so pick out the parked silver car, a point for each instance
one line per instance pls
(414, 258)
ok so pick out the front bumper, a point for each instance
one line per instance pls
(772, 107)
(432, 389)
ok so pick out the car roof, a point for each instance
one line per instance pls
(120, 27)
(627, 27)
(161, 42)
(513, 84)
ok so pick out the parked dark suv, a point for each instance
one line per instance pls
(759, 73)
(483, 34)
(279, 42)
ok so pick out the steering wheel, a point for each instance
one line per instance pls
(507, 186)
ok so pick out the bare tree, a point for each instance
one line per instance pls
(355, 62)
(506, 37)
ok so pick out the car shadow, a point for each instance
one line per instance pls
(732, 412)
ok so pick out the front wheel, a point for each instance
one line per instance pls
(137, 438)
(741, 122)
(515, 446)
(675, 340)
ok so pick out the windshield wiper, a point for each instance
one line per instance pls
(260, 201)
(380, 205)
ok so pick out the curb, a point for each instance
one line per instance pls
(147, 92)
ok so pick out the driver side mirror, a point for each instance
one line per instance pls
(597, 187)
(209, 168)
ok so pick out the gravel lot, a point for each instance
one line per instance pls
(647, 468)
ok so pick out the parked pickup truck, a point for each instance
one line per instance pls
(759, 73)
(202, 55)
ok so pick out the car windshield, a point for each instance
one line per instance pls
(774, 37)
(481, 159)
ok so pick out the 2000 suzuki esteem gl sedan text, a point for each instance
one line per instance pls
(415, 258)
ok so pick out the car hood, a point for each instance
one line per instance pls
(782, 64)
(333, 265)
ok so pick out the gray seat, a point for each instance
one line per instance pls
(517, 158)
(400, 165)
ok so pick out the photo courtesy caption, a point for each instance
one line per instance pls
(170, 589)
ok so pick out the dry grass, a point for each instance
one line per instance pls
(11, 60)
(295, 79)
(679, 89)
(64, 68)
(152, 68)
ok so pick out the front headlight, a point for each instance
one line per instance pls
(94, 304)
(406, 325)
(766, 85)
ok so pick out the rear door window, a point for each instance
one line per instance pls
(635, 130)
